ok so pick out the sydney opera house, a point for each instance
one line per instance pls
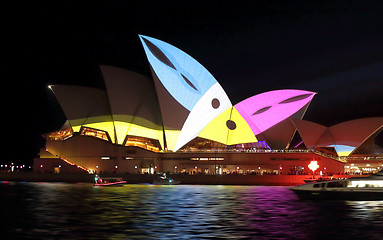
(181, 120)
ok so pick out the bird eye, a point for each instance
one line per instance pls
(215, 103)
(231, 125)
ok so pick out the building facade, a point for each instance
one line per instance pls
(182, 120)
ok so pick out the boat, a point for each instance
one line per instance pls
(164, 180)
(355, 188)
(108, 182)
(320, 179)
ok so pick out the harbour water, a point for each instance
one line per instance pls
(82, 211)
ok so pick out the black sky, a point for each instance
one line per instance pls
(330, 47)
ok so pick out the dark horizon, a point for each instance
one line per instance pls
(331, 48)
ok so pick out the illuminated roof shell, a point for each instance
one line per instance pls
(345, 137)
(134, 105)
(183, 77)
(85, 106)
(265, 110)
(189, 84)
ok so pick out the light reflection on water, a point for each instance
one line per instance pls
(81, 211)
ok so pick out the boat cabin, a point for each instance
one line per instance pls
(350, 184)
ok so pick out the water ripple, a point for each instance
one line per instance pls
(82, 211)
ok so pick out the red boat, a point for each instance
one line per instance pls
(108, 182)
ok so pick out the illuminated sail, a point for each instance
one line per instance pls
(199, 95)
(265, 110)
(85, 107)
(134, 105)
(345, 137)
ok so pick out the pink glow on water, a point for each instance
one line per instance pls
(264, 110)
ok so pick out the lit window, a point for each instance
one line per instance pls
(60, 135)
(142, 142)
(94, 133)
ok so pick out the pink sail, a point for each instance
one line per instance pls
(264, 110)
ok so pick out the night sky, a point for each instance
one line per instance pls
(330, 47)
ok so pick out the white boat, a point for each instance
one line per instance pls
(163, 180)
(356, 188)
(108, 182)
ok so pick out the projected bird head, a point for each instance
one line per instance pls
(189, 83)
(193, 87)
